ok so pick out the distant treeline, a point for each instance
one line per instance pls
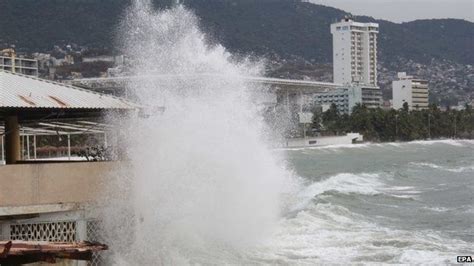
(397, 125)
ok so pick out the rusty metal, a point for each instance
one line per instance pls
(26, 100)
(56, 99)
(21, 252)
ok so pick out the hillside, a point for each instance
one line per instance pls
(284, 27)
(292, 33)
(302, 29)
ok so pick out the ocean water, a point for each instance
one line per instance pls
(378, 203)
(395, 203)
(391, 203)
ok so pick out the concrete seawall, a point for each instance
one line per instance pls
(53, 183)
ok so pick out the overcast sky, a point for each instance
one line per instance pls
(405, 10)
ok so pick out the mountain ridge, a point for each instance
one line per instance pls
(293, 35)
(243, 26)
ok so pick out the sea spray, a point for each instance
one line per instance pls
(201, 179)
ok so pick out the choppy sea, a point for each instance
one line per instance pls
(379, 203)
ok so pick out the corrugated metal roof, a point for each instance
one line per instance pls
(21, 91)
(295, 82)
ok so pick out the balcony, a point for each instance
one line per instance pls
(52, 183)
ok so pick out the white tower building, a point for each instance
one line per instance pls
(355, 52)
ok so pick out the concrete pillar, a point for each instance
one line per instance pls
(81, 230)
(12, 140)
(34, 146)
(105, 140)
(68, 147)
(3, 148)
(5, 230)
(81, 235)
(300, 101)
(28, 146)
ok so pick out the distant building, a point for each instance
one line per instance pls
(355, 52)
(409, 90)
(10, 62)
(371, 96)
(117, 60)
(346, 98)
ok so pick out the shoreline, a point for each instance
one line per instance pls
(370, 143)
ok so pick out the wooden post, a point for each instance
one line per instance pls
(12, 140)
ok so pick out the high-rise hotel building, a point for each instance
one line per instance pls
(355, 52)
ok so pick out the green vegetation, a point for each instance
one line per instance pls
(286, 28)
(398, 125)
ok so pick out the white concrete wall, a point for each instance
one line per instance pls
(53, 183)
(402, 92)
(373, 65)
(365, 58)
(324, 141)
(355, 97)
(341, 54)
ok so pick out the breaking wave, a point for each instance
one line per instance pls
(201, 179)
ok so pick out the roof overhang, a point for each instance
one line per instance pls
(21, 92)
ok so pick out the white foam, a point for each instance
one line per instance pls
(363, 183)
(328, 234)
(437, 209)
(345, 183)
(459, 169)
(457, 143)
(427, 257)
(201, 176)
(453, 142)
(469, 210)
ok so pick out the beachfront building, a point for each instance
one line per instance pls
(355, 52)
(410, 90)
(49, 199)
(345, 98)
(9, 61)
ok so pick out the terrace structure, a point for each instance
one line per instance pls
(9, 61)
(47, 200)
